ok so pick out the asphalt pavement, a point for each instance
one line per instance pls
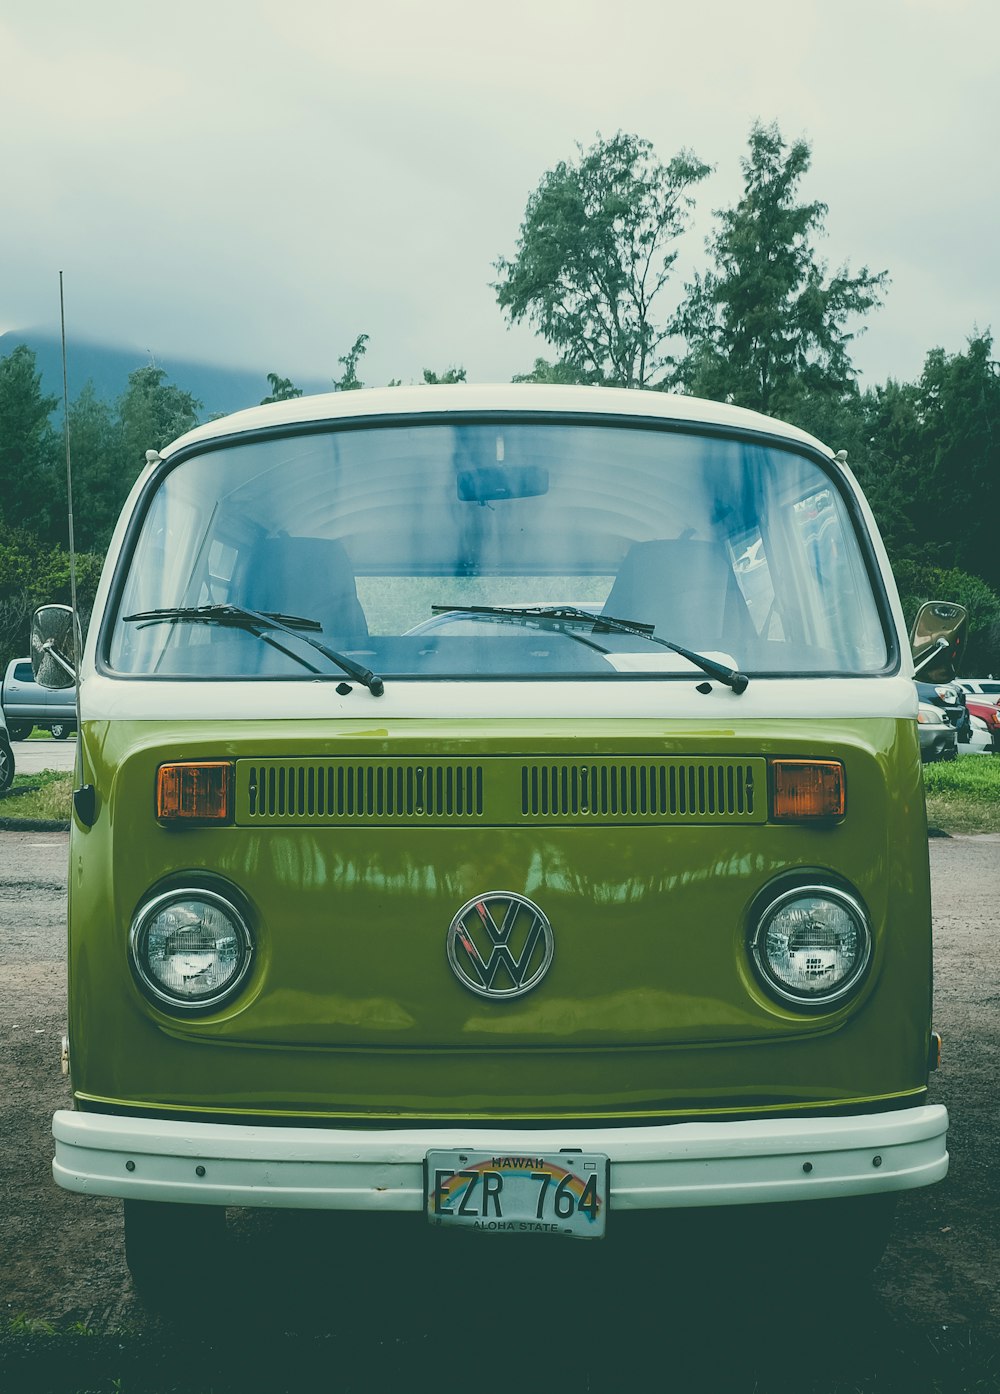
(30, 757)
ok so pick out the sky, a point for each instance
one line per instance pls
(254, 184)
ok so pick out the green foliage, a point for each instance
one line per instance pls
(766, 326)
(33, 573)
(31, 481)
(349, 380)
(109, 444)
(919, 582)
(887, 462)
(282, 389)
(101, 477)
(46, 797)
(153, 413)
(450, 375)
(954, 493)
(558, 372)
(594, 252)
(23, 1325)
(29, 564)
(930, 464)
(983, 652)
(963, 795)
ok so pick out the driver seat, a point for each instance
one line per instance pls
(308, 576)
(687, 590)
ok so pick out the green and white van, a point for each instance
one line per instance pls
(502, 803)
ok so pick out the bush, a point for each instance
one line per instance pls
(918, 583)
(33, 573)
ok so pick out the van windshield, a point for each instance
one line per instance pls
(383, 534)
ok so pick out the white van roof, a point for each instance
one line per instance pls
(370, 403)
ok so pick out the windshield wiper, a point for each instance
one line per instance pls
(261, 623)
(558, 618)
(570, 614)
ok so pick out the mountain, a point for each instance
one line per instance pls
(220, 389)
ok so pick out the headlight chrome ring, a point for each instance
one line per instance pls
(812, 945)
(190, 949)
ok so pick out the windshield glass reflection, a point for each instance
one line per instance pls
(727, 547)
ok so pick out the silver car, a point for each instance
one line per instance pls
(938, 738)
(6, 757)
(27, 705)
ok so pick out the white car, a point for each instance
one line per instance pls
(987, 687)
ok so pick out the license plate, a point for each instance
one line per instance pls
(560, 1193)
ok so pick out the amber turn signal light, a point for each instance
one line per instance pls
(194, 791)
(806, 789)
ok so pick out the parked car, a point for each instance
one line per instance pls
(989, 713)
(6, 757)
(987, 687)
(938, 737)
(950, 698)
(27, 705)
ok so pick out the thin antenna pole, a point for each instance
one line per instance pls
(69, 470)
(77, 656)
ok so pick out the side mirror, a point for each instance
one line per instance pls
(937, 639)
(52, 646)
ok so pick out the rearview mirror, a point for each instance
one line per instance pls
(492, 482)
(52, 646)
(937, 639)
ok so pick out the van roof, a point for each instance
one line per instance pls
(384, 402)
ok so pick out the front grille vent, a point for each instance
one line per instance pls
(325, 791)
(674, 789)
(498, 791)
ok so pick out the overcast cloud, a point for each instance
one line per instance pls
(254, 184)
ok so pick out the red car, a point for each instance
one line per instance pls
(990, 713)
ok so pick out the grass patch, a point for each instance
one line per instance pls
(47, 796)
(963, 795)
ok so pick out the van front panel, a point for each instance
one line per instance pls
(651, 1005)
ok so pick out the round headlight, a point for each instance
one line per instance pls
(190, 948)
(812, 945)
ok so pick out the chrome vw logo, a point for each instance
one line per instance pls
(500, 945)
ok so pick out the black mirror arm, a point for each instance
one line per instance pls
(50, 648)
(937, 647)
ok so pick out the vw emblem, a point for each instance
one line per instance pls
(500, 945)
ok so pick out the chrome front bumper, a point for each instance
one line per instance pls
(653, 1167)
